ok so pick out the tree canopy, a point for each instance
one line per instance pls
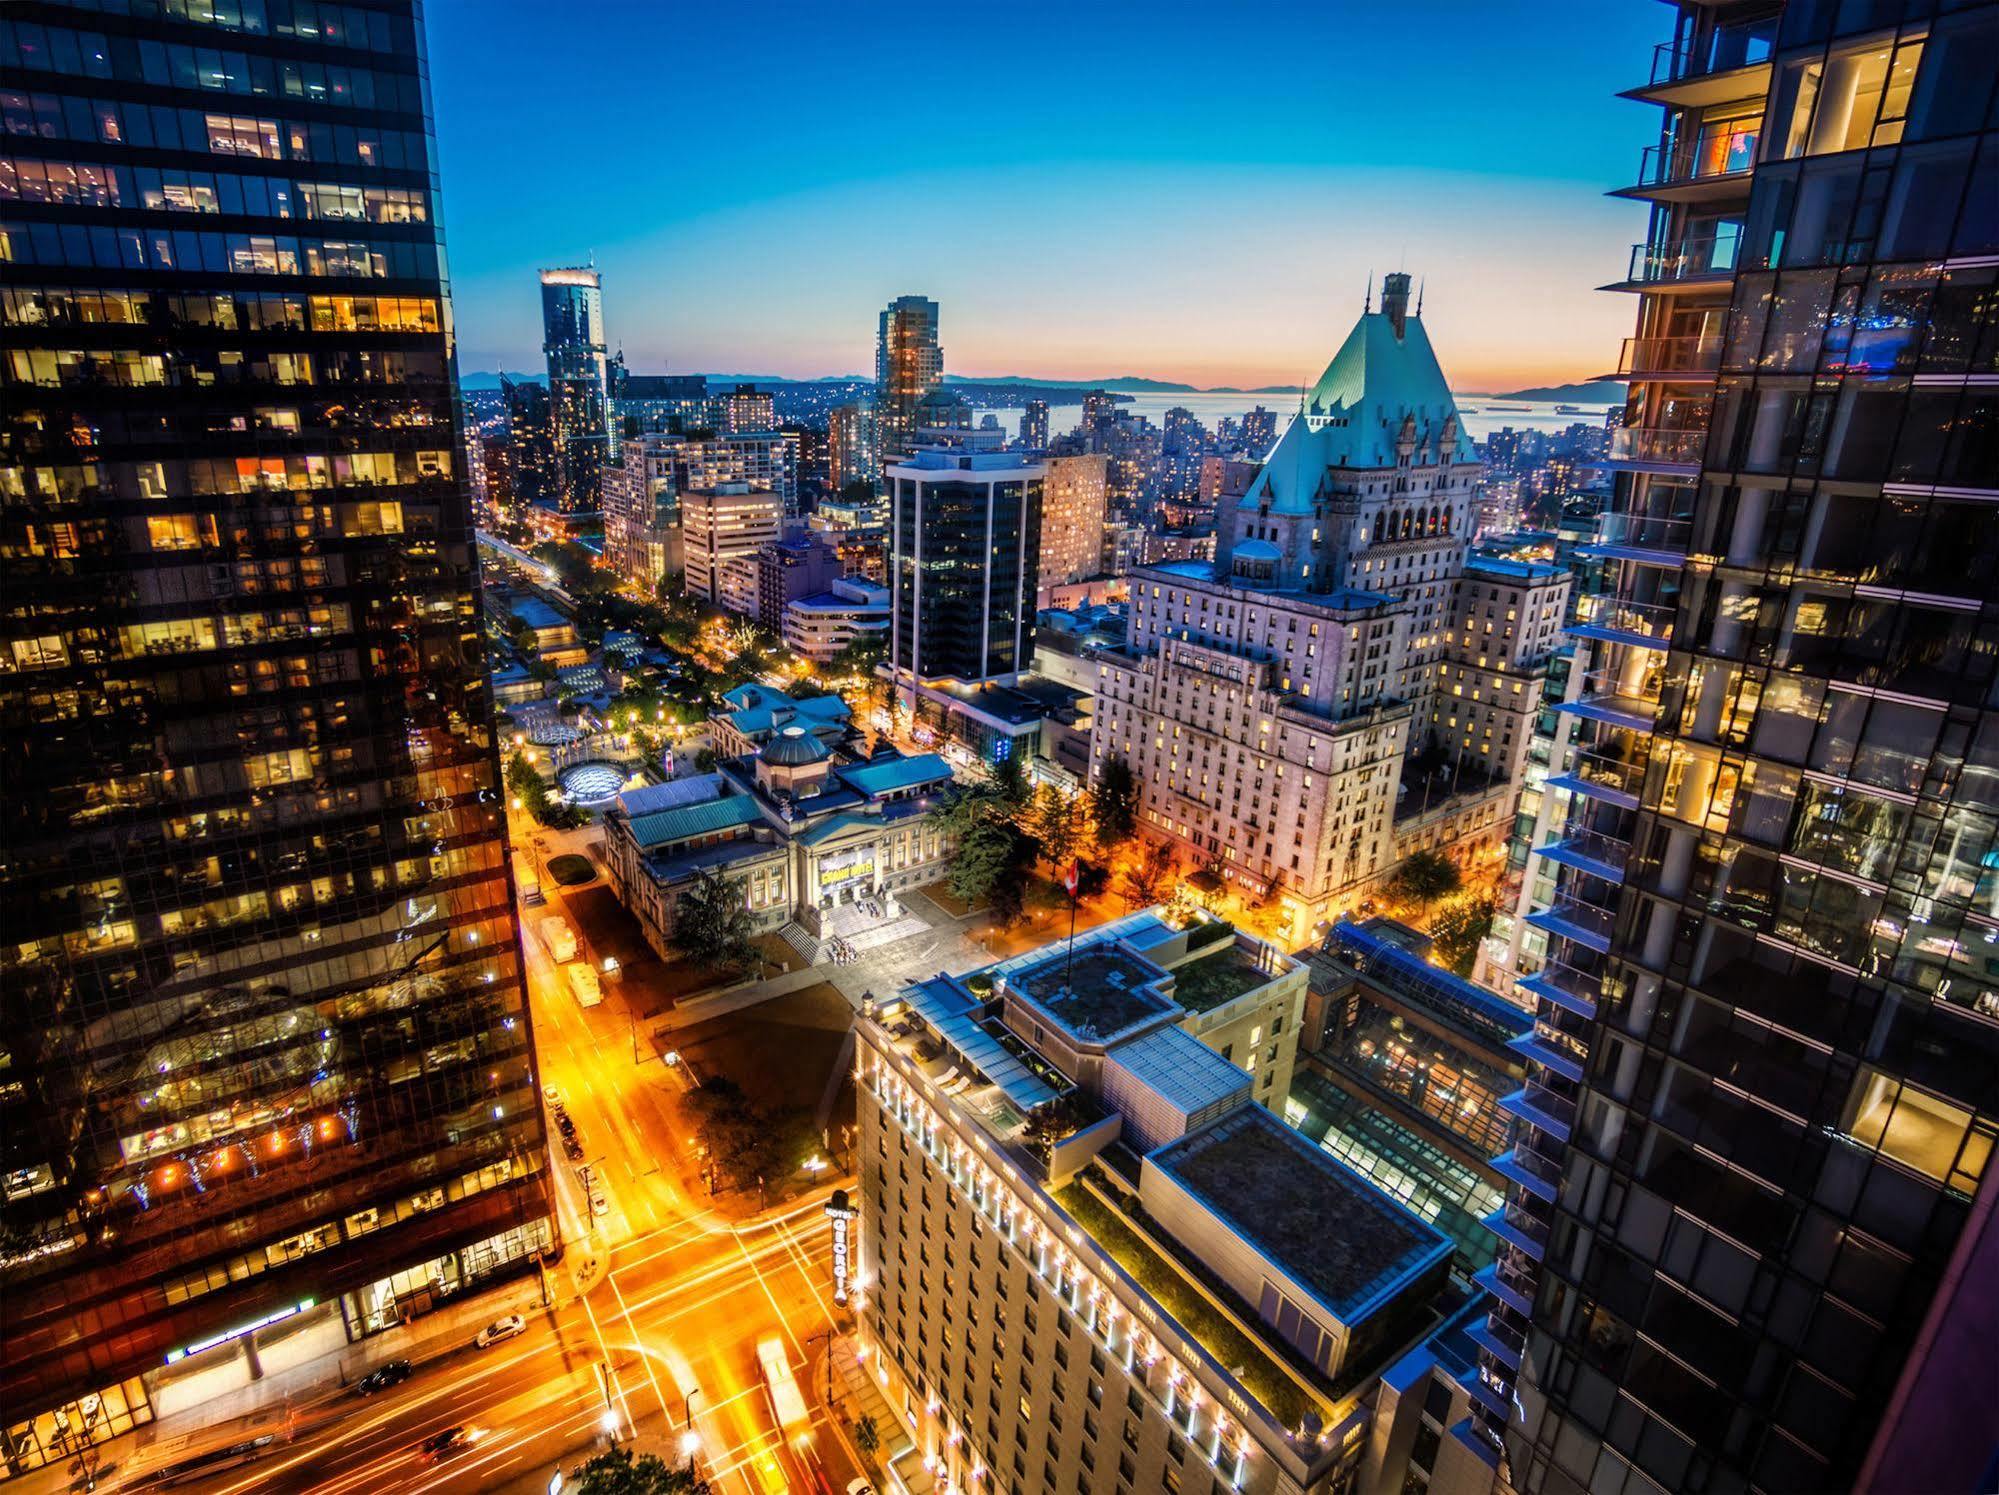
(1115, 801)
(1424, 877)
(712, 923)
(996, 850)
(619, 1471)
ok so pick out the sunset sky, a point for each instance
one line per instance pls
(1185, 192)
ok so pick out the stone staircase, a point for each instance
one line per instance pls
(802, 940)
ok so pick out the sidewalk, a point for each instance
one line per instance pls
(857, 1394)
(447, 1329)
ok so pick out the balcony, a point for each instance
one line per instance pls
(1601, 776)
(1543, 1049)
(1502, 1344)
(1590, 852)
(1613, 620)
(1715, 165)
(1691, 262)
(1512, 1288)
(1730, 63)
(1658, 449)
(1526, 1235)
(1566, 987)
(1542, 1108)
(1572, 919)
(1529, 1172)
(1647, 539)
(1695, 358)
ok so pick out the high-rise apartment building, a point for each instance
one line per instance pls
(721, 524)
(641, 504)
(1764, 1085)
(267, 1046)
(572, 326)
(1267, 701)
(850, 446)
(965, 545)
(1074, 493)
(909, 364)
(1259, 432)
(745, 409)
(795, 566)
(532, 471)
(1034, 425)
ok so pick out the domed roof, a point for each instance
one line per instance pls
(795, 747)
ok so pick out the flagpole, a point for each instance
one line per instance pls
(1069, 960)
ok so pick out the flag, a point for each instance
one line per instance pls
(1069, 879)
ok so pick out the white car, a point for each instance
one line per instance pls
(499, 1329)
(859, 1487)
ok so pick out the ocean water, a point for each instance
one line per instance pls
(1480, 418)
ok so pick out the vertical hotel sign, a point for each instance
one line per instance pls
(841, 1213)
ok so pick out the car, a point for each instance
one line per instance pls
(382, 1377)
(572, 1149)
(500, 1329)
(859, 1487)
(550, 1094)
(599, 1205)
(565, 1124)
(444, 1444)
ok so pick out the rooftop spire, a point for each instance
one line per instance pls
(1395, 299)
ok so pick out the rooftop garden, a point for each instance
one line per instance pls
(1215, 980)
(1192, 1307)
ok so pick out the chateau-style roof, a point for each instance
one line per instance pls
(1353, 416)
(795, 747)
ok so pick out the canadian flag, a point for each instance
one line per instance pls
(1069, 879)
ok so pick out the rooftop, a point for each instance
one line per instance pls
(1179, 1067)
(886, 776)
(1215, 980)
(1096, 993)
(1320, 1223)
(664, 827)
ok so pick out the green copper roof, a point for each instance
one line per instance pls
(663, 827)
(1353, 415)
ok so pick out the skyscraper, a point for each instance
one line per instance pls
(266, 1044)
(1034, 425)
(1764, 1084)
(850, 446)
(1072, 521)
(908, 365)
(965, 542)
(572, 326)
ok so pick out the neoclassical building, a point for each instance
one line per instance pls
(822, 841)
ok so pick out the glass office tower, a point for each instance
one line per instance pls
(265, 1057)
(1764, 1079)
(909, 364)
(572, 326)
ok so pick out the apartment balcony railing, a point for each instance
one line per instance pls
(1568, 987)
(1715, 157)
(1690, 257)
(1722, 50)
(1530, 1171)
(1614, 780)
(1502, 1343)
(1573, 919)
(1696, 356)
(1588, 851)
(1525, 1234)
(1655, 446)
(1639, 535)
(1615, 620)
(1509, 1282)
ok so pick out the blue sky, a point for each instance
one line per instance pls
(1186, 192)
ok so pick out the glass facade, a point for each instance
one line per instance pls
(966, 552)
(266, 1040)
(1766, 1078)
(572, 323)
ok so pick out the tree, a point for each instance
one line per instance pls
(620, 1472)
(857, 491)
(712, 923)
(741, 1143)
(858, 656)
(1148, 880)
(1424, 877)
(867, 1437)
(1458, 928)
(1115, 801)
(1059, 822)
(525, 784)
(995, 850)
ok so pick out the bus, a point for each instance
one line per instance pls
(787, 1402)
(176, 1466)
